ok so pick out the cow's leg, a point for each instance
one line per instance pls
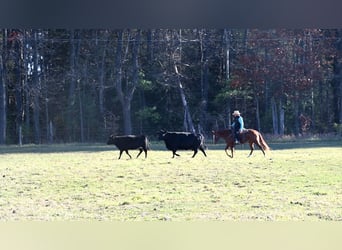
(128, 154)
(195, 152)
(145, 150)
(120, 154)
(140, 149)
(202, 149)
(174, 153)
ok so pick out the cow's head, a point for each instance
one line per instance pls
(111, 140)
(161, 134)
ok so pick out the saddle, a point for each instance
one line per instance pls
(241, 135)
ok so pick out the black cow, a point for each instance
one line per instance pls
(125, 142)
(182, 141)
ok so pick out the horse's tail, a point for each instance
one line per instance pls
(263, 143)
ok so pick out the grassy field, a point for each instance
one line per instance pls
(296, 181)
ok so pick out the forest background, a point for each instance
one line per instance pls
(82, 85)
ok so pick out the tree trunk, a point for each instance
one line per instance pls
(267, 81)
(50, 134)
(73, 53)
(226, 37)
(337, 81)
(27, 95)
(102, 70)
(19, 97)
(296, 114)
(188, 124)
(3, 115)
(36, 91)
(118, 69)
(126, 109)
(135, 78)
(281, 118)
(177, 59)
(71, 110)
(204, 80)
(101, 84)
(150, 46)
(81, 113)
(340, 99)
(46, 102)
(336, 91)
(3, 112)
(274, 117)
(126, 93)
(257, 108)
(229, 112)
(257, 113)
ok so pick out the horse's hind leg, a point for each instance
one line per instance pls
(262, 150)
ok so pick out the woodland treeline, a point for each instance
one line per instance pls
(82, 85)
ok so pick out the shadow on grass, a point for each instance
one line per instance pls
(54, 148)
(288, 145)
(99, 147)
(305, 144)
(67, 148)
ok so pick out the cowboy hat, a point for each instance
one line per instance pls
(236, 113)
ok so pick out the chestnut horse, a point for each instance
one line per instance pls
(248, 135)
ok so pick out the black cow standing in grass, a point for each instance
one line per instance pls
(182, 141)
(125, 142)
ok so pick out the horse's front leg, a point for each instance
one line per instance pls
(231, 156)
(251, 145)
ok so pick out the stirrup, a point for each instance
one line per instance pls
(237, 142)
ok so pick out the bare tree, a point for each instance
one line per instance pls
(36, 89)
(337, 79)
(177, 60)
(102, 72)
(203, 39)
(126, 86)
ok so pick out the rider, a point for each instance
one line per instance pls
(237, 125)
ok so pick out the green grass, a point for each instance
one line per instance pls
(294, 182)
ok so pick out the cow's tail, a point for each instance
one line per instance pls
(263, 143)
(147, 143)
(201, 138)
